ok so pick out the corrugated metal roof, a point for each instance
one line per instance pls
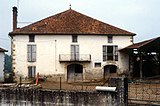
(143, 43)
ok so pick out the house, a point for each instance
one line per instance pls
(2, 56)
(71, 45)
(144, 58)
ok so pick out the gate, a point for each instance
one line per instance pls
(144, 92)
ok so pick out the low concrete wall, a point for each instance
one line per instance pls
(40, 97)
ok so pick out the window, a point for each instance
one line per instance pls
(74, 52)
(131, 39)
(110, 52)
(31, 71)
(97, 64)
(74, 38)
(110, 39)
(31, 53)
(31, 38)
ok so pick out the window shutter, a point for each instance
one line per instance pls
(104, 52)
(29, 52)
(116, 53)
(77, 51)
(33, 53)
(72, 52)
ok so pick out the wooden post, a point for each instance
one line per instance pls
(140, 65)
(60, 83)
(20, 81)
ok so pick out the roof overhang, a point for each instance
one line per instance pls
(39, 33)
(152, 45)
(3, 50)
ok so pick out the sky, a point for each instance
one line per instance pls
(141, 17)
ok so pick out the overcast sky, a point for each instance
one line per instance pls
(141, 17)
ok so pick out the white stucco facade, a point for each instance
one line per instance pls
(1, 66)
(50, 47)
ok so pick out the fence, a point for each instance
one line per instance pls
(144, 92)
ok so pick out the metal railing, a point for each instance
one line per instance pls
(75, 57)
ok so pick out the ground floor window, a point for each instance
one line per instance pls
(31, 71)
(97, 64)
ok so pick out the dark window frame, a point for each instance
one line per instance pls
(97, 64)
(31, 38)
(110, 39)
(74, 38)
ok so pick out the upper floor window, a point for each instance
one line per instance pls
(74, 38)
(110, 52)
(31, 52)
(31, 38)
(110, 39)
(131, 39)
(74, 52)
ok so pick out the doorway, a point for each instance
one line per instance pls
(109, 70)
(74, 72)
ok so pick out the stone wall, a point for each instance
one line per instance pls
(93, 74)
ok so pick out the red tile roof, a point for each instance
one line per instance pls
(70, 22)
(3, 50)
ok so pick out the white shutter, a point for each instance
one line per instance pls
(72, 52)
(29, 49)
(77, 51)
(33, 52)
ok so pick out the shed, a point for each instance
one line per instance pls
(144, 58)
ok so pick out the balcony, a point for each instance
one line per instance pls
(75, 57)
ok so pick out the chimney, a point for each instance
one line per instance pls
(15, 18)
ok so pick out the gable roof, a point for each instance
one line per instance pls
(3, 50)
(70, 22)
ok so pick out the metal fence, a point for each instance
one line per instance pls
(144, 92)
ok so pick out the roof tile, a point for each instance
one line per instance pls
(70, 22)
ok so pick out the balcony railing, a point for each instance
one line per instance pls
(75, 57)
